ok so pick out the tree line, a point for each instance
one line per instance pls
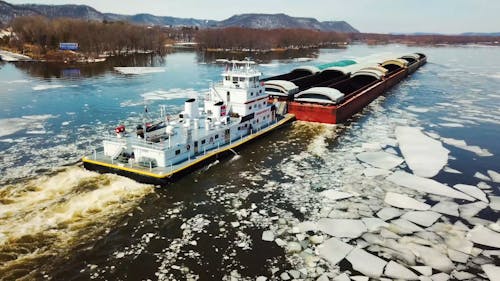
(427, 39)
(93, 37)
(265, 39)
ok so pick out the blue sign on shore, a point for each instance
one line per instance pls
(68, 46)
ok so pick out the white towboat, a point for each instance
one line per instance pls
(235, 111)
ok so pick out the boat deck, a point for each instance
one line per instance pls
(99, 159)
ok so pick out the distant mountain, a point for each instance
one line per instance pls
(265, 21)
(270, 21)
(494, 34)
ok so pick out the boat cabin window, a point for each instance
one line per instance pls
(216, 136)
(227, 78)
(202, 141)
(251, 93)
(242, 79)
(177, 152)
(235, 79)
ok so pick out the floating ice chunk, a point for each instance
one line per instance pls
(440, 277)
(462, 275)
(342, 227)
(335, 195)
(432, 257)
(261, 278)
(341, 277)
(293, 247)
(373, 172)
(495, 202)
(360, 278)
(388, 234)
(285, 276)
(388, 213)
(472, 191)
(47, 87)
(423, 269)
(457, 256)
(451, 125)
(268, 235)
(280, 242)
(371, 147)
(334, 250)
(494, 176)
(451, 171)
(492, 271)
(380, 159)
(482, 176)
(458, 242)
(425, 156)
(403, 201)
(373, 224)
(307, 226)
(417, 109)
(484, 236)
(426, 185)
(471, 209)
(424, 218)
(366, 263)
(139, 70)
(446, 207)
(397, 271)
(404, 227)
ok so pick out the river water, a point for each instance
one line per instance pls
(61, 222)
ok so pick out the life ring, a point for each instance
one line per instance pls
(188, 147)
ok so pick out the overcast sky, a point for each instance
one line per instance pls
(384, 16)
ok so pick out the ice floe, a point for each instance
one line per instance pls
(423, 218)
(463, 145)
(423, 269)
(373, 172)
(139, 70)
(342, 227)
(335, 195)
(426, 185)
(374, 224)
(472, 191)
(402, 226)
(334, 250)
(425, 156)
(484, 236)
(458, 256)
(494, 176)
(398, 271)
(446, 207)
(268, 235)
(495, 202)
(388, 213)
(482, 176)
(471, 209)
(432, 257)
(403, 201)
(492, 271)
(366, 263)
(380, 159)
(47, 87)
(171, 94)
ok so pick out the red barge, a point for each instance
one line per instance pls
(334, 94)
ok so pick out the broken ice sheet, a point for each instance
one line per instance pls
(492, 271)
(432, 257)
(373, 172)
(471, 209)
(335, 195)
(398, 271)
(424, 155)
(484, 236)
(366, 263)
(388, 213)
(403, 201)
(342, 227)
(423, 218)
(472, 191)
(334, 250)
(446, 207)
(494, 176)
(373, 224)
(426, 185)
(380, 159)
(402, 226)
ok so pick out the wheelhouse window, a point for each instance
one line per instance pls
(202, 141)
(227, 78)
(177, 152)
